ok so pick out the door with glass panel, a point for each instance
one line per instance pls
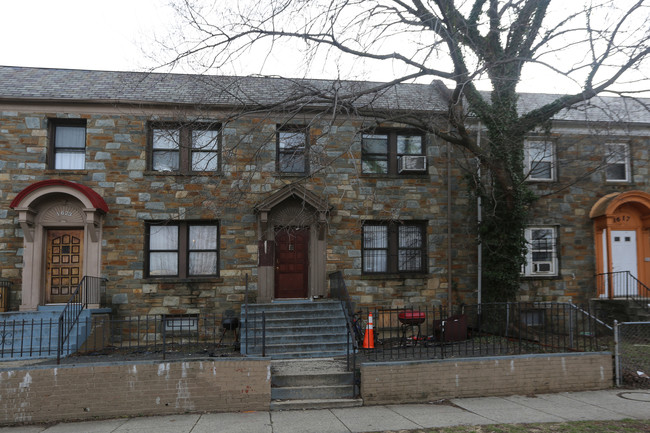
(64, 264)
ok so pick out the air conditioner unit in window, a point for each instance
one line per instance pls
(543, 268)
(412, 164)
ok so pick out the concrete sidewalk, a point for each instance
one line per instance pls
(575, 406)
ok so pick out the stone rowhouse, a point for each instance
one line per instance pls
(176, 187)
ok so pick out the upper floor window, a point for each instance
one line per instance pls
(392, 153)
(185, 148)
(541, 256)
(292, 150)
(67, 144)
(183, 249)
(394, 247)
(618, 162)
(540, 160)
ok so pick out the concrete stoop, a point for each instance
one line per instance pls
(298, 384)
(298, 329)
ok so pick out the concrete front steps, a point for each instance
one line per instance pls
(620, 309)
(295, 329)
(35, 334)
(321, 383)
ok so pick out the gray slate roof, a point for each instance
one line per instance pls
(18, 83)
(67, 85)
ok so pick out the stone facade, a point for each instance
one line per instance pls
(118, 169)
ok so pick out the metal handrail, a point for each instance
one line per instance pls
(88, 291)
(338, 290)
(624, 281)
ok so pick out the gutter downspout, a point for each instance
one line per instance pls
(449, 249)
(479, 219)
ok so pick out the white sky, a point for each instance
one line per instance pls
(118, 34)
(79, 34)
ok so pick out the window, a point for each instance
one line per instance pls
(68, 144)
(381, 153)
(618, 162)
(292, 150)
(540, 160)
(185, 249)
(185, 149)
(394, 247)
(541, 257)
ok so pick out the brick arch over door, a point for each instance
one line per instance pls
(293, 207)
(57, 206)
(622, 238)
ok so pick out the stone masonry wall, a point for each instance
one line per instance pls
(33, 395)
(420, 381)
(116, 168)
(567, 202)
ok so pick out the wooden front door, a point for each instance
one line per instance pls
(291, 263)
(64, 264)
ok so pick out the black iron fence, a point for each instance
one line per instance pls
(623, 284)
(33, 338)
(89, 291)
(339, 291)
(486, 330)
(99, 336)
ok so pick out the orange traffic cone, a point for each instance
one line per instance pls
(369, 336)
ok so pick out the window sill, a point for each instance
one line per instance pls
(540, 180)
(403, 276)
(61, 172)
(288, 174)
(540, 277)
(178, 280)
(180, 173)
(395, 176)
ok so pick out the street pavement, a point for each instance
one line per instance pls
(612, 404)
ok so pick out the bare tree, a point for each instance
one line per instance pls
(595, 46)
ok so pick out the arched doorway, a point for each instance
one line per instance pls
(292, 245)
(622, 242)
(62, 228)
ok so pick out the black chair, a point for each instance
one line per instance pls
(229, 322)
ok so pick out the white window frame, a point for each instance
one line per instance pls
(194, 153)
(546, 149)
(535, 267)
(617, 157)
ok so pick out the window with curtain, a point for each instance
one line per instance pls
(395, 247)
(381, 152)
(185, 148)
(292, 150)
(68, 144)
(618, 162)
(540, 160)
(185, 249)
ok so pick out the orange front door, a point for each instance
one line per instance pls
(291, 263)
(64, 264)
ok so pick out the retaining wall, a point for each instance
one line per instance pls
(46, 394)
(422, 381)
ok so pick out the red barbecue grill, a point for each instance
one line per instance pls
(409, 320)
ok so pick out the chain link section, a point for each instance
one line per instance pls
(632, 354)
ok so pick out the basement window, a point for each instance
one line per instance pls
(181, 324)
